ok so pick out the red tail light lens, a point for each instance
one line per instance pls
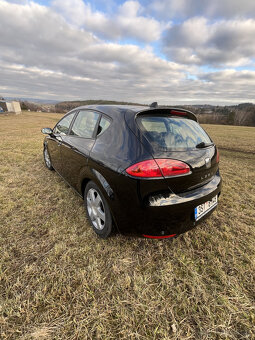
(158, 168)
(178, 113)
(145, 169)
(218, 156)
(172, 167)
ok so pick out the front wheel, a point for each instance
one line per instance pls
(47, 159)
(97, 210)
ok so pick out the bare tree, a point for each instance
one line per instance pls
(30, 106)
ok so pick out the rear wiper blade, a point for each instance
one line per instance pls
(203, 145)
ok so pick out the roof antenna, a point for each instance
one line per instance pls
(154, 105)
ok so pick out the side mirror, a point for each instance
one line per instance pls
(47, 131)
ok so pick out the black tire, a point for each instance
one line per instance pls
(46, 157)
(97, 210)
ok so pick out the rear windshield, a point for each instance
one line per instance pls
(172, 133)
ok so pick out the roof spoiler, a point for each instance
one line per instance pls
(174, 111)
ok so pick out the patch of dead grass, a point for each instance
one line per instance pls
(59, 281)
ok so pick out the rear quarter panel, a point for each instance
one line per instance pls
(113, 152)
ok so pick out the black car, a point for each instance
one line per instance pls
(149, 171)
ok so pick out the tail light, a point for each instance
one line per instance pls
(178, 113)
(158, 168)
(218, 156)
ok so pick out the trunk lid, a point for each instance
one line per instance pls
(202, 163)
(169, 135)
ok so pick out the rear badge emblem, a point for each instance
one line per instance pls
(207, 163)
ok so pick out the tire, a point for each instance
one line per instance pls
(98, 211)
(47, 159)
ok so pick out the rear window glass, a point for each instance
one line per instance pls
(172, 133)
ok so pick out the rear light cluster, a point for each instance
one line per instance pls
(158, 168)
(178, 113)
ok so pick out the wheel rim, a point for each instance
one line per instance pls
(96, 209)
(47, 158)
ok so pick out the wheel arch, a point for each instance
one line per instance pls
(105, 191)
(84, 183)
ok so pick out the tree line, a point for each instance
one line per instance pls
(241, 114)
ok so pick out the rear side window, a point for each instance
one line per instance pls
(172, 133)
(84, 124)
(103, 125)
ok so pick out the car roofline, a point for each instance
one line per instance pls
(133, 109)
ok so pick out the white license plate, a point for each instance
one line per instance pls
(204, 208)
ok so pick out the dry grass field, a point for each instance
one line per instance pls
(59, 281)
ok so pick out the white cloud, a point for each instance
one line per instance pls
(41, 53)
(43, 56)
(74, 11)
(229, 75)
(126, 23)
(210, 9)
(221, 43)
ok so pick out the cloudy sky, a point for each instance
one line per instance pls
(170, 51)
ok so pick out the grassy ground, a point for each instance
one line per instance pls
(59, 281)
(233, 138)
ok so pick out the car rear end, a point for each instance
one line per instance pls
(184, 162)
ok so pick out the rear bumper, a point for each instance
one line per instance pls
(190, 196)
(172, 214)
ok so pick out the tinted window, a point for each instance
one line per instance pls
(84, 124)
(103, 125)
(176, 134)
(62, 126)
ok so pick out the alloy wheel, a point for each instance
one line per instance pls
(96, 209)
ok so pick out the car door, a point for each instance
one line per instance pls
(55, 140)
(76, 146)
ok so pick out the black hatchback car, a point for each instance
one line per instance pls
(145, 170)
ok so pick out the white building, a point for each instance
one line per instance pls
(10, 106)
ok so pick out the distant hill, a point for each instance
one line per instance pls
(240, 114)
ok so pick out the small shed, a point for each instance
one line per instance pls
(10, 106)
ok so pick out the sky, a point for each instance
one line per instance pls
(169, 51)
